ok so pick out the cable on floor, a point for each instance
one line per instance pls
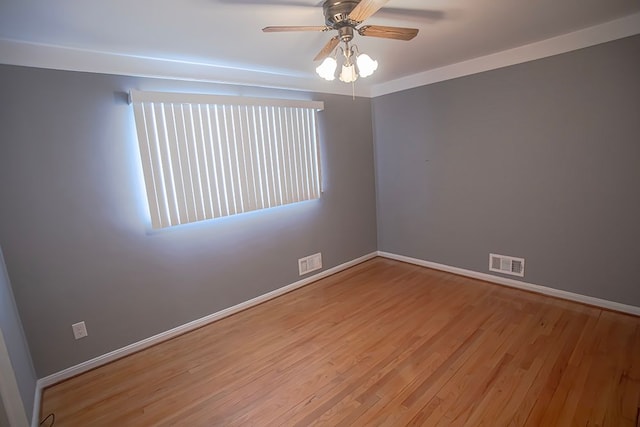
(53, 419)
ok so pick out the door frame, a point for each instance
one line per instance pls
(9, 392)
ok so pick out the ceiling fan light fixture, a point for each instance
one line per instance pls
(348, 74)
(327, 69)
(346, 17)
(366, 65)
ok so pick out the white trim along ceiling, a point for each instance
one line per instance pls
(23, 53)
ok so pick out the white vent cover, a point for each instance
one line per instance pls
(506, 264)
(310, 263)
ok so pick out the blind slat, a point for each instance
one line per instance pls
(266, 157)
(220, 208)
(278, 145)
(176, 169)
(283, 159)
(165, 159)
(152, 175)
(304, 152)
(257, 160)
(199, 193)
(315, 158)
(185, 152)
(229, 164)
(204, 175)
(247, 154)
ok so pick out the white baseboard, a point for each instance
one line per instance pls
(164, 336)
(597, 302)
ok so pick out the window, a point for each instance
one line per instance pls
(209, 156)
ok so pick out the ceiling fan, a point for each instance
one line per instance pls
(345, 16)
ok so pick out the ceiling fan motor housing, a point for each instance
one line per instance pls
(336, 12)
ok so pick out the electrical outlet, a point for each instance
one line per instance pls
(79, 330)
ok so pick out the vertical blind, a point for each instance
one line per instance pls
(209, 156)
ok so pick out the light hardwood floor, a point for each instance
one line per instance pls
(383, 343)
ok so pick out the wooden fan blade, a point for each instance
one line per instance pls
(396, 33)
(365, 9)
(279, 29)
(327, 49)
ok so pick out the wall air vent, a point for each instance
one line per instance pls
(506, 264)
(310, 263)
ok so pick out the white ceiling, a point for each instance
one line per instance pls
(203, 39)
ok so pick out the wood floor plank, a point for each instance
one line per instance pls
(631, 382)
(383, 343)
(426, 366)
(466, 389)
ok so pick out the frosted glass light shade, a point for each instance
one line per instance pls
(348, 73)
(366, 65)
(327, 69)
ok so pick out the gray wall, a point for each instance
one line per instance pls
(73, 217)
(16, 345)
(540, 160)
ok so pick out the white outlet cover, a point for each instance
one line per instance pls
(79, 330)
